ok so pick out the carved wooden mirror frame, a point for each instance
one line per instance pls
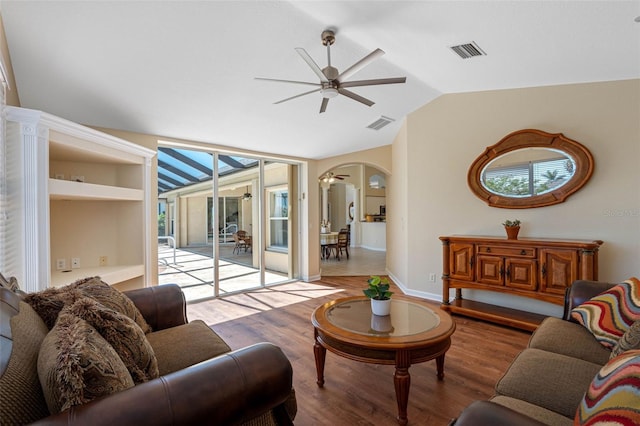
(530, 138)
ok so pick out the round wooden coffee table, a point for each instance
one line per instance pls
(413, 333)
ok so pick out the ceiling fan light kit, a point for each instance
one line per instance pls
(329, 92)
(331, 177)
(333, 83)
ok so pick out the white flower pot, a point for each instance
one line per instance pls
(381, 307)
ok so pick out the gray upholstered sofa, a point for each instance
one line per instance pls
(547, 381)
(199, 380)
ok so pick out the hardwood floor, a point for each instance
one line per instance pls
(356, 393)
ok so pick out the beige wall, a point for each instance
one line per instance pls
(398, 210)
(12, 93)
(444, 137)
(376, 157)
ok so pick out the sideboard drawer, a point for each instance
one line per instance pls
(507, 251)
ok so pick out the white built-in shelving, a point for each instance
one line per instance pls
(77, 193)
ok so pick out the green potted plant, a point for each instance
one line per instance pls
(512, 227)
(378, 292)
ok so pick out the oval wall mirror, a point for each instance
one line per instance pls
(530, 168)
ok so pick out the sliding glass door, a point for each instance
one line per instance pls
(232, 226)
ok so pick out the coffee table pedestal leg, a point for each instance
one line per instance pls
(320, 353)
(440, 367)
(402, 382)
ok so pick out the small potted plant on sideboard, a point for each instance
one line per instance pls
(512, 227)
(378, 292)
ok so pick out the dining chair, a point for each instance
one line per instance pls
(343, 242)
(242, 240)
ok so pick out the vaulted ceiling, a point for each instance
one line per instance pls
(186, 69)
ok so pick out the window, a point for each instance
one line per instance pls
(278, 208)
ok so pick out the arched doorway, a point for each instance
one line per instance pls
(351, 199)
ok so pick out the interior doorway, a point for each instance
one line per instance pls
(353, 196)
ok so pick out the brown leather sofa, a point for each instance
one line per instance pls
(546, 382)
(249, 386)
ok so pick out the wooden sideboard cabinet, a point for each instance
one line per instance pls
(539, 269)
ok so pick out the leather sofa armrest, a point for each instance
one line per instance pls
(162, 306)
(581, 291)
(227, 390)
(483, 413)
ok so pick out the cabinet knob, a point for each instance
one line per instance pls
(523, 252)
(544, 269)
(488, 249)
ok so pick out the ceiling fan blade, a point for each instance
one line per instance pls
(296, 96)
(355, 97)
(374, 82)
(360, 64)
(287, 81)
(303, 53)
(323, 106)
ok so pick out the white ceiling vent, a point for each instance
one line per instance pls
(468, 50)
(380, 123)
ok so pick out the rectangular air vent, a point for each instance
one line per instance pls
(380, 123)
(468, 50)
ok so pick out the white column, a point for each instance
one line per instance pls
(325, 203)
(29, 191)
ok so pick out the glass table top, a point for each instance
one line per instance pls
(406, 318)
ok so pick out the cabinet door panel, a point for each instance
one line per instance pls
(559, 268)
(461, 261)
(521, 273)
(490, 270)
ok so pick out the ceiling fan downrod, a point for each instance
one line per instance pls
(328, 38)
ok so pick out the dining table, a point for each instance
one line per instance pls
(327, 240)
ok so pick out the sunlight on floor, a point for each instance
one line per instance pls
(193, 271)
(252, 302)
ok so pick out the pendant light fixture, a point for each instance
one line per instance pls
(247, 195)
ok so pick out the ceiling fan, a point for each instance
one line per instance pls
(332, 83)
(331, 177)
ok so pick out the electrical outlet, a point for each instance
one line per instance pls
(103, 261)
(432, 277)
(75, 262)
(59, 175)
(61, 264)
(77, 178)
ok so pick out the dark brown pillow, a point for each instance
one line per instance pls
(76, 365)
(123, 334)
(48, 303)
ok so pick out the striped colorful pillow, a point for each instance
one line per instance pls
(610, 314)
(613, 397)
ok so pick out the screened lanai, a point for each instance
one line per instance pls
(178, 168)
(227, 216)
